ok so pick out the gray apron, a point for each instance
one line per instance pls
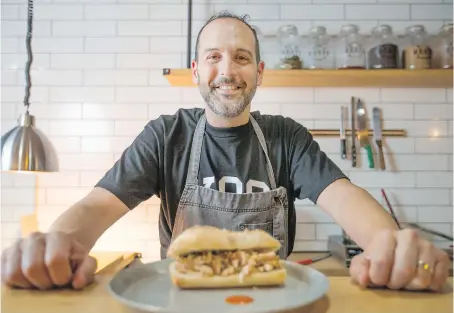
(199, 205)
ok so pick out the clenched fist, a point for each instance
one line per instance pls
(401, 260)
(47, 260)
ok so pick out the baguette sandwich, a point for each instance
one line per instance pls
(209, 257)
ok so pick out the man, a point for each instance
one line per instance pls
(226, 167)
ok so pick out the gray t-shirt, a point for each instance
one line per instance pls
(232, 160)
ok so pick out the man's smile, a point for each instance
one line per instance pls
(227, 89)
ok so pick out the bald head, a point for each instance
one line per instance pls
(230, 27)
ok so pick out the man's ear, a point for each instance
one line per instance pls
(260, 68)
(195, 73)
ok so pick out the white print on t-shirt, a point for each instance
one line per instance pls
(209, 181)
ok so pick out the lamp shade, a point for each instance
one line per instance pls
(26, 148)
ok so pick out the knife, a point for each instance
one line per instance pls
(310, 261)
(363, 132)
(342, 134)
(353, 132)
(377, 134)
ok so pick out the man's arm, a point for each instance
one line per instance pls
(355, 210)
(318, 178)
(391, 256)
(133, 179)
(60, 256)
(89, 218)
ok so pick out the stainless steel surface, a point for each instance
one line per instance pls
(361, 115)
(26, 148)
(148, 288)
(343, 126)
(353, 132)
(431, 231)
(376, 118)
(363, 132)
(342, 132)
(343, 249)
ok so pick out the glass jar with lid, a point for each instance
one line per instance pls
(290, 47)
(320, 54)
(350, 51)
(269, 48)
(382, 48)
(442, 48)
(417, 54)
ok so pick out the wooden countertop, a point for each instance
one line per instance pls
(330, 266)
(343, 295)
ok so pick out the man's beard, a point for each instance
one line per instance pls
(229, 109)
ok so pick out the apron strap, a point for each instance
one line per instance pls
(196, 151)
(262, 141)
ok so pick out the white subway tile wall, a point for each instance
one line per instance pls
(97, 80)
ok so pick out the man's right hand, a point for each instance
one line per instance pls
(47, 260)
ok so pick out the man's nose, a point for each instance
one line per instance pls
(227, 67)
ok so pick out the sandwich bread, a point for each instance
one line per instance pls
(209, 257)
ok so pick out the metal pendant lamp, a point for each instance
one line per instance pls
(25, 148)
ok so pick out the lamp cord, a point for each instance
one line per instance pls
(29, 53)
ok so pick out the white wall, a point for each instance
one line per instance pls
(97, 77)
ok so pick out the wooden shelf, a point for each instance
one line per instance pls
(392, 78)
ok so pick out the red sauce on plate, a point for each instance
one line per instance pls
(239, 299)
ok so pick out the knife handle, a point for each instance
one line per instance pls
(343, 148)
(353, 152)
(370, 156)
(380, 153)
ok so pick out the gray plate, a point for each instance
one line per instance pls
(147, 288)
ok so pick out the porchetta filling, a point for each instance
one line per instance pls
(226, 263)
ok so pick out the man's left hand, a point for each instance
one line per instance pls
(401, 260)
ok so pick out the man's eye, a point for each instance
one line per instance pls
(243, 58)
(215, 57)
